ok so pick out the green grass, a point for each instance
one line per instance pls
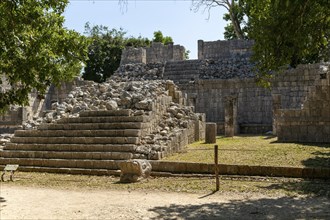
(257, 150)
(263, 185)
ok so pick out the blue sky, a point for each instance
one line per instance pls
(173, 17)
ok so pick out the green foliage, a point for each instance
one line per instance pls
(137, 42)
(35, 49)
(238, 10)
(288, 33)
(104, 52)
(158, 37)
(186, 54)
(235, 15)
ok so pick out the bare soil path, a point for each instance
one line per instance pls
(17, 202)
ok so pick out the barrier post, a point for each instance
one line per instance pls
(216, 167)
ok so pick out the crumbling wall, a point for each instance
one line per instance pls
(12, 120)
(309, 121)
(223, 49)
(156, 53)
(254, 107)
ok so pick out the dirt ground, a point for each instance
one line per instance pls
(19, 202)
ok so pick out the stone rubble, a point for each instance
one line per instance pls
(139, 71)
(124, 93)
(229, 68)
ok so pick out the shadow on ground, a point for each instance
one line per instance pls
(265, 208)
(303, 187)
(321, 159)
(2, 199)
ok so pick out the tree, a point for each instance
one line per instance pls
(232, 6)
(104, 52)
(158, 37)
(239, 9)
(35, 49)
(288, 33)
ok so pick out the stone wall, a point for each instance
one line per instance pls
(131, 55)
(253, 103)
(209, 83)
(156, 53)
(38, 105)
(309, 121)
(226, 68)
(223, 49)
(12, 120)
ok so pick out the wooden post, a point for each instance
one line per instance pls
(216, 168)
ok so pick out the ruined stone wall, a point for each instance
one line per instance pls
(310, 121)
(12, 120)
(131, 55)
(38, 105)
(223, 49)
(253, 103)
(208, 84)
(293, 85)
(156, 53)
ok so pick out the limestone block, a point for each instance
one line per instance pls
(134, 170)
(210, 133)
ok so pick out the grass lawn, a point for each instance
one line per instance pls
(257, 150)
(264, 185)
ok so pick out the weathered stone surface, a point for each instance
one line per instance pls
(211, 133)
(134, 170)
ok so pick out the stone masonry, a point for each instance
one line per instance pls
(156, 53)
(97, 126)
(310, 122)
(223, 70)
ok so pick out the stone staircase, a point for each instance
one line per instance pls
(93, 143)
(182, 71)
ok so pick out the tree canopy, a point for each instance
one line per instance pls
(35, 49)
(235, 29)
(159, 37)
(104, 52)
(288, 33)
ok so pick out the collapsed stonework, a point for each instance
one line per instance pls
(220, 84)
(91, 128)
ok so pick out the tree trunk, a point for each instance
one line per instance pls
(236, 25)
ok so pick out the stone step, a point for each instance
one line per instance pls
(70, 155)
(59, 163)
(94, 126)
(182, 76)
(109, 119)
(121, 112)
(96, 172)
(73, 147)
(78, 133)
(182, 64)
(76, 140)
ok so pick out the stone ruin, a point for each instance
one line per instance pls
(95, 127)
(156, 53)
(146, 110)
